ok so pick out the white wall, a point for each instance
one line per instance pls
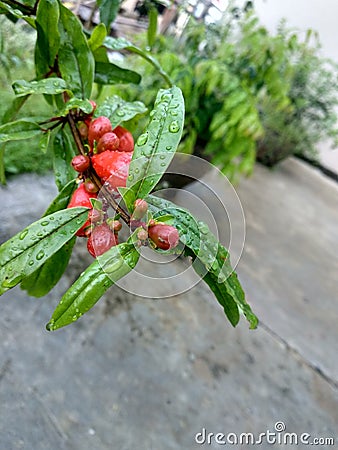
(320, 15)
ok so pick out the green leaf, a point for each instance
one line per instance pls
(156, 146)
(76, 103)
(28, 250)
(62, 199)
(108, 73)
(97, 37)
(46, 86)
(108, 11)
(211, 259)
(13, 109)
(40, 282)
(2, 164)
(17, 13)
(75, 60)
(44, 141)
(152, 27)
(119, 110)
(48, 36)
(63, 152)
(93, 283)
(19, 130)
(117, 44)
(220, 292)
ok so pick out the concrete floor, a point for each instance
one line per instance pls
(147, 374)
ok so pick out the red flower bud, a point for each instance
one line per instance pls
(81, 163)
(108, 141)
(114, 225)
(97, 128)
(164, 236)
(101, 240)
(141, 208)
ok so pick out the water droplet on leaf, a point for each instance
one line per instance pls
(23, 234)
(174, 127)
(142, 140)
(40, 255)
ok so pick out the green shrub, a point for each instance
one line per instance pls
(246, 90)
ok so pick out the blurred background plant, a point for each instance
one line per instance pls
(17, 45)
(249, 94)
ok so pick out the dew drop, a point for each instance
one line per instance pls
(31, 262)
(174, 127)
(137, 170)
(74, 317)
(40, 255)
(163, 164)
(130, 177)
(168, 147)
(142, 140)
(174, 113)
(120, 113)
(162, 157)
(23, 234)
(166, 97)
(44, 223)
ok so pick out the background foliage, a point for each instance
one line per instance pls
(248, 93)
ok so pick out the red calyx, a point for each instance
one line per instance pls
(101, 240)
(112, 167)
(164, 236)
(81, 197)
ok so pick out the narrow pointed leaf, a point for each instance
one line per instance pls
(117, 44)
(49, 86)
(19, 130)
(152, 27)
(48, 36)
(108, 11)
(212, 260)
(28, 250)
(93, 283)
(40, 282)
(156, 146)
(75, 59)
(20, 12)
(76, 103)
(108, 73)
(97, 37)
(63, 152)
(119, 110)
(62, 199)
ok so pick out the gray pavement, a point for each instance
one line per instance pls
(146, 374)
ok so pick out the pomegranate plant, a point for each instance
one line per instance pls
(94, 153)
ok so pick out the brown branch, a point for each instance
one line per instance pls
(23, 8)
